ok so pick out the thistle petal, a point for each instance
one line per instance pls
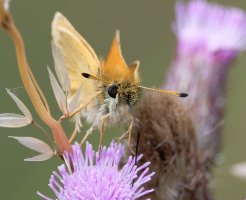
(40, 157)
(21, 106)
(36, 145)
(58, 92)
(239, 170)
(6, 4)
(11, 120)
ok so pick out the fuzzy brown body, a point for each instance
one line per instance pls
(117, 108)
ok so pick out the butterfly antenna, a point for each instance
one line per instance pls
(89, 76)
(170, 92)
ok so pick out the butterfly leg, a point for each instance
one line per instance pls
(104, 118)
(73, 135)
(129, 133)
(88, 132)
(118, 139)
(80, 107)
(130, 137)
(125, 133)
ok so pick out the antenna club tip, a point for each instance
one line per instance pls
(183, 95)
(86, 75)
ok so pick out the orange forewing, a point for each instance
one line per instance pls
(115, 68)
(133, 74)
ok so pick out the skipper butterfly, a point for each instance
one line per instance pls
(115, 83)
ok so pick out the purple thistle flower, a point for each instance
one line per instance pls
(210, 28)
(209, 38)
(90, 177)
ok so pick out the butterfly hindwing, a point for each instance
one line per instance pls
(78, 55)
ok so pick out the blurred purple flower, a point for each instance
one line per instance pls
(209, 38)
(90, 177)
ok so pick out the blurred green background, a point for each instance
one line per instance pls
(145, 35)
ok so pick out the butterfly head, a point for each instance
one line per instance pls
(126, 92)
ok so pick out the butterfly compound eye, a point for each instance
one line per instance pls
(112, 90)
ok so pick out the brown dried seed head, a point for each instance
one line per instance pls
(167, 140)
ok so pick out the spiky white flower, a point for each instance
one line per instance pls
(12, 120)
(36, 145)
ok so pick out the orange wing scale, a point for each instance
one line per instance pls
(115, 68)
